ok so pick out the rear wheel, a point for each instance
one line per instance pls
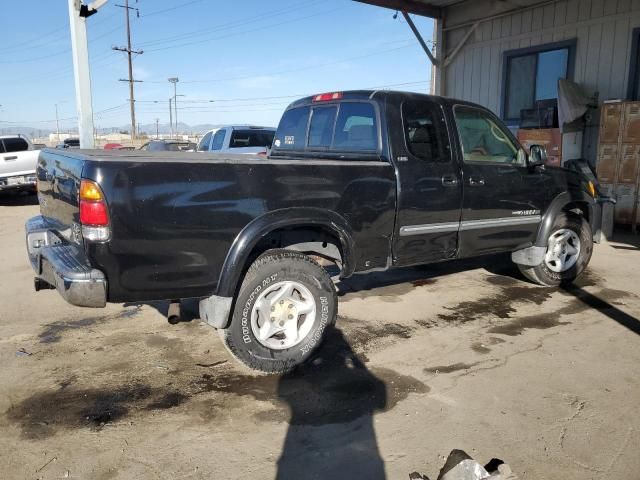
(569, 249)
(284, 306)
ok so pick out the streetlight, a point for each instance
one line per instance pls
(175, 81)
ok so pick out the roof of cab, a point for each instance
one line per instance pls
(362, 95)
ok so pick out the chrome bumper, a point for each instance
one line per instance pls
(64, 265)
(28, 182)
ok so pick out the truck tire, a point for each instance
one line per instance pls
(283, 309)
(569, 249)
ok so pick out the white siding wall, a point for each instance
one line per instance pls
(603, 29)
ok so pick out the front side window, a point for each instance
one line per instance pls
(533, 77)
(218, 140)
(356, 127)
(204, 143)
(15, 144)
(425, 131)
(483, 139)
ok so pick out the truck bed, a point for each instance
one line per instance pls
(174, 216)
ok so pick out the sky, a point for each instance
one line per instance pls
(237, 62)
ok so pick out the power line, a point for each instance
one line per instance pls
(156, 12)
(225, 26)
(266, 27)
(299, 69)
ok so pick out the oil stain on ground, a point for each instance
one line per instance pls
(335, 387)
(53, 332)
(450, 368)
(365, 335)
(501, 304)
(483, 347)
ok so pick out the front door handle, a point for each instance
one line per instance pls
(476, 181)
(449, 180)
(9, 159)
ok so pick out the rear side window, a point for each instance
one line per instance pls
(157, 147)
(356, 128)
(204, 143)
(218, 140)
(251, 138)
(15, 144)
(321, 127)
(291, 134)
(425, 131)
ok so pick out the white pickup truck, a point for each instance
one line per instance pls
(237, 139)
(18, 161)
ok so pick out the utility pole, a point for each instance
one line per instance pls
(78, 14)
(157, 122)
(171, 117)
(175, 81)
(57, 124)
(130, 53)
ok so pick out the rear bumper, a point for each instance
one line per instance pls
(18, 182)
(64, 265)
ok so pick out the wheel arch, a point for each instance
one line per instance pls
(566, 202)
(306, 230)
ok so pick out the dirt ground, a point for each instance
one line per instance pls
(460, 355)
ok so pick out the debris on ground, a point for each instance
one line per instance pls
(23, 353)
(460, 466)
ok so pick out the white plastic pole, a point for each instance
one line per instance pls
(82, 75)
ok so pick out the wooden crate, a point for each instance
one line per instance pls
(550, 138)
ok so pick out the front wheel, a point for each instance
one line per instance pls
(283, 309)
(569, 249)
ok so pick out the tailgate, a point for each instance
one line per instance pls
(59, 173)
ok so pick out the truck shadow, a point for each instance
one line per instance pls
(601, 305)
(500, 264)
(625, 239)
(332, 401)
(18, 199)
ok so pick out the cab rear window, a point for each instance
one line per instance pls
(292, 131)
(343, 127)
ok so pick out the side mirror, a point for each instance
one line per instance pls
(537, 156)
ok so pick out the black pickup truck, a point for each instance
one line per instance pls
(369, 180)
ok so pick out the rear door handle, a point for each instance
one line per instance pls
(9, 159)
(476, 181)
(449, 181)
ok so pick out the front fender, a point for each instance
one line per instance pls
(558, 205)
(261, 226)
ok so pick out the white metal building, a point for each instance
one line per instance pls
(506, 54)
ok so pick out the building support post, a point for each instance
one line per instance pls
(438, 72)
(82, 75)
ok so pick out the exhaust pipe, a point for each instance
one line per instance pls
(174, 313)
(40, 284)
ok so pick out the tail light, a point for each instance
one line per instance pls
(264, 154)
(94, 215)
